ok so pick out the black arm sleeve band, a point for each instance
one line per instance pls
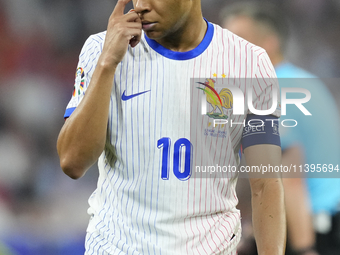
(261, 130)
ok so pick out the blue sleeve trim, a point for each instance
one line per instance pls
(68, 112)
(261, 130)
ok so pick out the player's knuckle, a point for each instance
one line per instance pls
(113, 20)
(135, 15)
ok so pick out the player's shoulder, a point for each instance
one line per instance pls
(91, 51)
(235, 42)
(95, 40)
(100, 37)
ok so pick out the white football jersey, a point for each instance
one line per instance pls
(149, 198)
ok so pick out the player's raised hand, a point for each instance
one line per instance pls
(122, 30)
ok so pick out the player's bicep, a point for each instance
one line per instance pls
(261, 144)
(265, 161)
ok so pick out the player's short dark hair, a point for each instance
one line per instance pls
(262, 12)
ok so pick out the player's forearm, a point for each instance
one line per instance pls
(269, 217)
(82, 138)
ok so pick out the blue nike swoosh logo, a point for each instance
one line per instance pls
(125, 97)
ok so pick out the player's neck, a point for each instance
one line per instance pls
(187, 38)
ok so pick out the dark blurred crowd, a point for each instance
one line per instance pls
(42, 211)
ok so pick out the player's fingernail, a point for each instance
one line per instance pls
(132, 10)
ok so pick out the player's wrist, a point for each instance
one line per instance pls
(107, 62)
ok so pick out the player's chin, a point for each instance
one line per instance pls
(153, 34)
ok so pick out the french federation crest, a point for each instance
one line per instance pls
(222, 100)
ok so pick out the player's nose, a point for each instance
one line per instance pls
(142, 6)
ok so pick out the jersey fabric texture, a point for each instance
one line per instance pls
(140, 206)
(318, 134)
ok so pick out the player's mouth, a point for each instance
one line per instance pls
(147, 26)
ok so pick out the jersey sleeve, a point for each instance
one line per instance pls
(87, 62)
(264, 87)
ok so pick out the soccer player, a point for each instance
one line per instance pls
(131, 108)
(312, 141)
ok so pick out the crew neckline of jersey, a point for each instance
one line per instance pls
(176, 55)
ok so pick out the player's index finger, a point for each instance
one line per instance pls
(120, 6)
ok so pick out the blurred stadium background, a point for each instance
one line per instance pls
(42, 211)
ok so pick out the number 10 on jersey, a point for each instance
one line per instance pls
(181, 158)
